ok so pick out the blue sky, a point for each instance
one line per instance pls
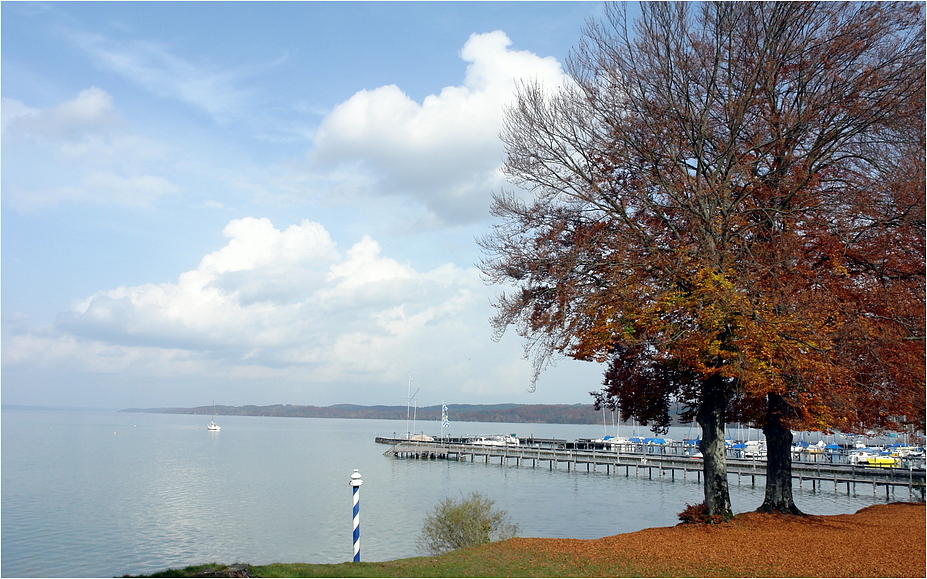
(262, 203)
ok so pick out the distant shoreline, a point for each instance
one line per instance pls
(514, 413)
(511, 413)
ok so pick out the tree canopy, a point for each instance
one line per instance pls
(727, 208)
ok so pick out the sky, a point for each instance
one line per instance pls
(263, 203)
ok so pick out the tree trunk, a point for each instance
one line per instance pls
(711, 418)
(778, 460)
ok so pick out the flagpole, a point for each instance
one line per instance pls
(444, 421)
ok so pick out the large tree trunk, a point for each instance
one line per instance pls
(778, 460)
(710, 417)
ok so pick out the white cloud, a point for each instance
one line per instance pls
(444, 152)
(256, 243)
(12, 110)
(78, 151)
(66, 352)
(286, 304)
(365, 266)
(91, 112)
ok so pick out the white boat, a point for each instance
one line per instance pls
(500, 440)
(212, 426)
(612, 442)
(860, 456)
(755, 449)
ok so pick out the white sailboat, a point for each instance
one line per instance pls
(212, 426)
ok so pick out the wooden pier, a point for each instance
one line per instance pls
(661, 465)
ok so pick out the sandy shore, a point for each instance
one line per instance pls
(879, 541)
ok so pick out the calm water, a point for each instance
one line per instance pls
(98, 494)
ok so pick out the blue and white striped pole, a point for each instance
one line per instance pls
(356, 482)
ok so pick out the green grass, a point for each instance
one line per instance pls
(487, 561)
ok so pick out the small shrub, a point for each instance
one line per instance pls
(698, 514)
(465, 522)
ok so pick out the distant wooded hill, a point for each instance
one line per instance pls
(535, 413)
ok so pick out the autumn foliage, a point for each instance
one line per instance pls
(727, 208)
(698, 514)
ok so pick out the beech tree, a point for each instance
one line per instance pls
(726, 206)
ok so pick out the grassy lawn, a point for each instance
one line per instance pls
(486, 561)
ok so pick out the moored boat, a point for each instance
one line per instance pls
(212, 426)
(499, 440)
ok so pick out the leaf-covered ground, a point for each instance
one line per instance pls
(878, 541)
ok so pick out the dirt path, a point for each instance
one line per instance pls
(879, 541)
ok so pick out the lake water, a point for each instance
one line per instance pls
(102, 494)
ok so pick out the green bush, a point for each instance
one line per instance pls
(465, 522)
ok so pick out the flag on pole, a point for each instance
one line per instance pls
(444, 421)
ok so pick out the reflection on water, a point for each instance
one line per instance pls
(104, 494)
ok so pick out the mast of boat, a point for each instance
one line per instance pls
(408, 403)
(409, 408)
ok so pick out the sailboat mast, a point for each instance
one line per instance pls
(408, 404)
